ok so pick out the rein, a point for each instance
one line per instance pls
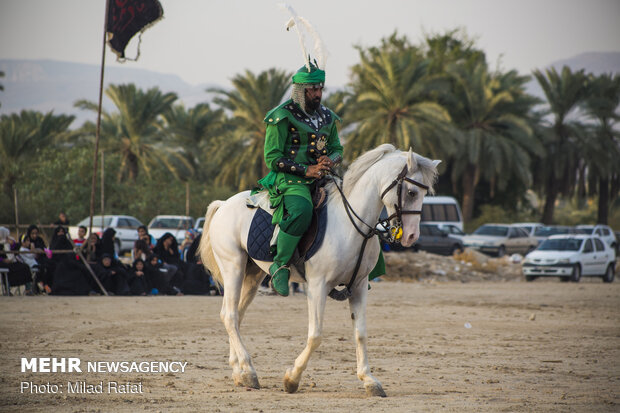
(341, 295)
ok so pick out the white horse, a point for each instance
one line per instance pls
(223, 251)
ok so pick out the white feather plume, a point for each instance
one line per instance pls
(294, 22)
(319, 47)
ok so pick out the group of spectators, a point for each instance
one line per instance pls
(156, 268)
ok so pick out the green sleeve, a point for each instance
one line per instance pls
(275, 141)
(334, 148)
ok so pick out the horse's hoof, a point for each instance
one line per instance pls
(248, 380)
(375, 390)
(289, 385)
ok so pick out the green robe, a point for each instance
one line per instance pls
(292, 135)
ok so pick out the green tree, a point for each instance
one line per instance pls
(495, 138)
(135, 131)
(195, 129)
(22, 137)
(391, 101)
(565, 92)
(239, 153)
(601, 148)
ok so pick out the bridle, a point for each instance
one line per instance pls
(394, 231)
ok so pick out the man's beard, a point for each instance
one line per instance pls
(312, 104)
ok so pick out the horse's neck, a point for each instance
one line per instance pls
(365, 200)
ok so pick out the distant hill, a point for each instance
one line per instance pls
(46, 85)
(593, 62)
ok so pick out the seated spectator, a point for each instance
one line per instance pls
(92, 249)
(140, 250)
(143, 234)
(27, 257)
(107, 242)
(167, 250)
(19, 273)
(139, 284)
(112, 275)
(197, 279)
(46, 265)
(157, 275)
(190, 236)
(81, 236)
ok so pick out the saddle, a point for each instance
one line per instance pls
(261, 232)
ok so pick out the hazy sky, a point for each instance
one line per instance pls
(209, 41)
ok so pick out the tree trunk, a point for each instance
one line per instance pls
(581, 187)
(552, 194)
(469, 182)
(603, 200)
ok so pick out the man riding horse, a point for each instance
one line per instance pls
(301, 146)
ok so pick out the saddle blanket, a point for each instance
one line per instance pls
(261, 234)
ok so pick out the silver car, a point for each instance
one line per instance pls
(500, 239)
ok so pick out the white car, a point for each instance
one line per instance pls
(529, 227)
(571, 257)
(177, 225)
(602, 231)
(500, 239)
(125, 226)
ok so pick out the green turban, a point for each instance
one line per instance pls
(315, 75)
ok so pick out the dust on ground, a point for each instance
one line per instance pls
(436, 345)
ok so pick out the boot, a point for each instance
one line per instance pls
(279, 270)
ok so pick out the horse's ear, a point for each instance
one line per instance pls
(411, 162)
(436, 162)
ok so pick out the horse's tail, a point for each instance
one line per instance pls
(206, 251)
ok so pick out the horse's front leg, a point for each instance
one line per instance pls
(316, 309)
(357, 305)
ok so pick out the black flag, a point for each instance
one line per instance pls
(128, 17)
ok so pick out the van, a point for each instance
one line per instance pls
(442, 210)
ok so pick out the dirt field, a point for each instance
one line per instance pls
(541, 346)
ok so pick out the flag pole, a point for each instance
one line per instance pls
(97, 133)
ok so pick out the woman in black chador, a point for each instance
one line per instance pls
(167, 250)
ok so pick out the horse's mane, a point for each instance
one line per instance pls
(366, 160)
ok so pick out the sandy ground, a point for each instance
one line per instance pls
(541, 346)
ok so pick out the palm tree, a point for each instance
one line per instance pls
(496, 141)
(24, 135)
(239, 153)
(602, 146)
(196, 130)
(391, 101)
(564, 92)
(134, 131)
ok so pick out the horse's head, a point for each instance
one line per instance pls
(404, 193)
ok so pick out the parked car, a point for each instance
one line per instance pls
(453, 231)
(177, 225)
(433, 239)
(602, 231)
(529, 227)
(544, 232)
(500, 239)
(199, 224)
(125, 226)
(441, 210)
(571, 257)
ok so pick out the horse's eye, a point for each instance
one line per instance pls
(412, 194)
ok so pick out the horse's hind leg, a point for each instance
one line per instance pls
(316, 308)
(357, 305)
(233, 273)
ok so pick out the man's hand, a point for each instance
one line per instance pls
(317, 171)
(325, 160)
